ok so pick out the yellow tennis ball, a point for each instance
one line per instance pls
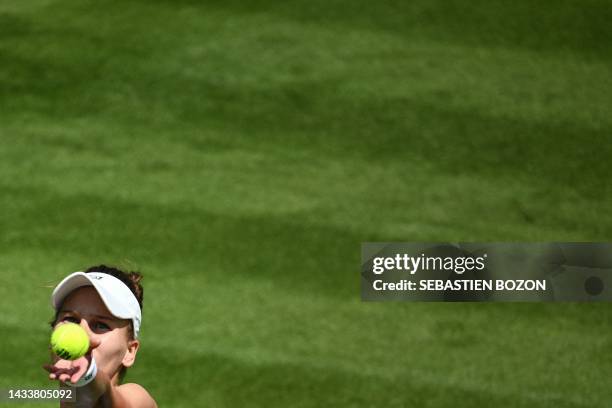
(69, 341)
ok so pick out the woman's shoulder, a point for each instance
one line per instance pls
(137, 395)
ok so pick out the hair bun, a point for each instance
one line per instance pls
(135, 278)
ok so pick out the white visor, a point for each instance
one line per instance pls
(117, 297)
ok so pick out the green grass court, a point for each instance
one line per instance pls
(238, 153)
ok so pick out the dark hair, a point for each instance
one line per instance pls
(132, 281)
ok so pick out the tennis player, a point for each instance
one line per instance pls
(107, 303)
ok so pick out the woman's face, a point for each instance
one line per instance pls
(84, 307)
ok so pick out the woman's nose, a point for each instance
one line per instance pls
(85, 325)
(93, 337)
